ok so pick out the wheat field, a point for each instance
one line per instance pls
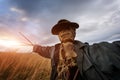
(23, 66)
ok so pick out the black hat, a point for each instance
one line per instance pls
(63, 24)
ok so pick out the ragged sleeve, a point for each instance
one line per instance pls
(45, 51)
(106, 56)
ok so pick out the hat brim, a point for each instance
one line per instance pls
(58, 27)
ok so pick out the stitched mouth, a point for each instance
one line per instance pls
(67, 40)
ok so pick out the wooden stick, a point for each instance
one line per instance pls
(26, 38)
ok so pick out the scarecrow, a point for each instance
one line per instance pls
(73, 60)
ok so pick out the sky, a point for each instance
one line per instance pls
(99, 20)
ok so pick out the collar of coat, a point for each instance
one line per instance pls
(77, 43)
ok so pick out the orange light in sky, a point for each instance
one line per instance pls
(9, 43)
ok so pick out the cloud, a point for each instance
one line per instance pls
(98, 19)
(16, 10)
(105, 28)
(46, 10)
(115, 36)
(61, 8)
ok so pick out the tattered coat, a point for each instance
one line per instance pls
(100, 61)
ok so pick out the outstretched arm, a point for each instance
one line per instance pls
(106, 56)
(47, 51)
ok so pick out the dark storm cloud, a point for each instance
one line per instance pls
(57, 9)
(29, 6)
(51, 6)
(45, 10)
(32, 8)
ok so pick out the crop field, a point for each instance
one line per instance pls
(24, 66)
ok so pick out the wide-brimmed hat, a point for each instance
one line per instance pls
(63, 24)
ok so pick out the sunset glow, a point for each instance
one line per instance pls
(9, 43)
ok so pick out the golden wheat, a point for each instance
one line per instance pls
(27, 66)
